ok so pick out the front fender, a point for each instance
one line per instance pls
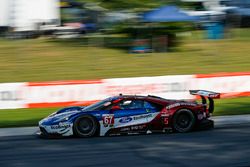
(68, 109)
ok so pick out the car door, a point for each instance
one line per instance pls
(131, 112)
(154, 121)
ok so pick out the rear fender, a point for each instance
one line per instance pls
(170, 111)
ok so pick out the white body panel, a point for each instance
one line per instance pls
(135, 120)
(64, 129)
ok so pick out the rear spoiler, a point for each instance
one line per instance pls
(204, 94)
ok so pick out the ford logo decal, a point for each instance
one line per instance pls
(125, 120)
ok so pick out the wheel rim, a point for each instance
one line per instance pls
(183, 121)
(85, 126)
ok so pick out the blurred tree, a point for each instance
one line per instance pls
(132, 30)
(131, 4)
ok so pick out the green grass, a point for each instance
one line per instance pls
(47, 59)
(23, 117)
(232, 106)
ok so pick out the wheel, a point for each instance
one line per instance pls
(85, 126)
(183, 121)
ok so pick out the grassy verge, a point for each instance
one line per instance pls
(234, 106)
(50, 60)
(23, 117)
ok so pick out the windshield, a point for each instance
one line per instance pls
(99, 105)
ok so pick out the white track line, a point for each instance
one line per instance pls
(22, 131)
(221, 121)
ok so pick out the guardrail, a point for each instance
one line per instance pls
(84, 92)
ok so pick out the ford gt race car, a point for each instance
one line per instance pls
(131, 114)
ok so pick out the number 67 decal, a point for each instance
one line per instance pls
(108, 120)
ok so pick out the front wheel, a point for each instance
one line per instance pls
(85, 126)
(183, 121)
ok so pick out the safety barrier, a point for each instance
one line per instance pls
(84, 92)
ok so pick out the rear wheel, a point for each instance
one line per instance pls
(85, 126)
(183, 121)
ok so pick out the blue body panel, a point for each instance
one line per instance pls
(62, 121)
(73, 113)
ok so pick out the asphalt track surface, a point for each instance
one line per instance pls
(225, 146)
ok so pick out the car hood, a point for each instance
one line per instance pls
(61, 115)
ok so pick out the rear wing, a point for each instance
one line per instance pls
(204, 94)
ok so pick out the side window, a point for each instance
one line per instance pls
(131, 104)
(105, 106)
(135, 104)
(148, 105)
(152, 106)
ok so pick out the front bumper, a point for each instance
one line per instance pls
(60, 130)
(44, 134)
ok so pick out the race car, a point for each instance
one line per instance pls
(131, 114)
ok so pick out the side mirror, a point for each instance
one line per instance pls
(115, 108)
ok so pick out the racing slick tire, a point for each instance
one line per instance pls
(85, 126)
(183, 121)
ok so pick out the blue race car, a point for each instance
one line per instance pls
(131, 114)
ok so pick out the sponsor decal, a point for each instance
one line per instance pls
(165, 115)
(142, 116)
(133, 128)
(180, 104)
(9, 96)
(125, 129)
(138, 127)
(125, 120)
(206, 93)
(60, 126)
(108, 120)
